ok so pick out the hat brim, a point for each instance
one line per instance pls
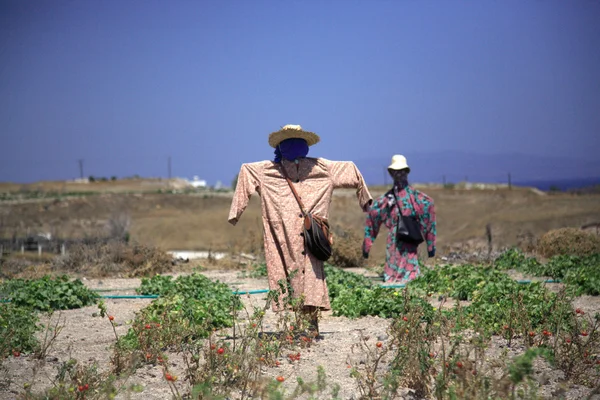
(277, 137)
(398, 166)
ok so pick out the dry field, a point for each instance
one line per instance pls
(199, 221)
(117, 186)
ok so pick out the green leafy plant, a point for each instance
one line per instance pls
(582, 273)
(48, 293)
(18, 328)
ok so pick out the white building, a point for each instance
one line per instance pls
(197, 182)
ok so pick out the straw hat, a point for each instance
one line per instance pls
(399, 162)
(293, 131)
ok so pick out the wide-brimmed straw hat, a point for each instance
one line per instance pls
(398, 163)
(293, 131)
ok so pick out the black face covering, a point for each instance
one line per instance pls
(400, 177)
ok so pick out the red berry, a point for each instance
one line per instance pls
(169, 377)
(280, 379)
(459, 364)
(378, 344)
(148, 326)
(474, 372)
(254, 325)
(86, 386)
(16, 353)
(568, 340)
(81, 388)
(111, 318)
(532, 333)
(578, 311)
(431, 355)
(213, 346)
(221, 350)
(405, 318)
(584, 333)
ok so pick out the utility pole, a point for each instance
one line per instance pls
(169, 166)
(509, 182)
(81, 168)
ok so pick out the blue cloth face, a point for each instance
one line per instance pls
(291, 149)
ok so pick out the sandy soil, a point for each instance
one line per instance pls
(87, 338)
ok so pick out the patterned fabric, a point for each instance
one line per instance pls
(402, 263)
(314, 179)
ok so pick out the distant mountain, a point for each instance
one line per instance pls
(457, 166)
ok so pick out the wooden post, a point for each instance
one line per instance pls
(62, 249)
(22, 249)
(39, 250)
(509, 181)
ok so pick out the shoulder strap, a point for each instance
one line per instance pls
(393, 190)
(289, 181)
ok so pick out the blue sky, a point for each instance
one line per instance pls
(125, 84)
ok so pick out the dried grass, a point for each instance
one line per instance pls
(568, 241)
(347, 248)
(115, 258)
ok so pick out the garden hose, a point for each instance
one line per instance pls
(259, 291)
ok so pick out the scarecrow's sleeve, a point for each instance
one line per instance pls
(248, 182)
(345, 175)
(375, 217)
(429, 220)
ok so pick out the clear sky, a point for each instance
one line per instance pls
(125, 84)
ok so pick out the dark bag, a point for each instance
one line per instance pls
(317, 235)
(409, 228)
